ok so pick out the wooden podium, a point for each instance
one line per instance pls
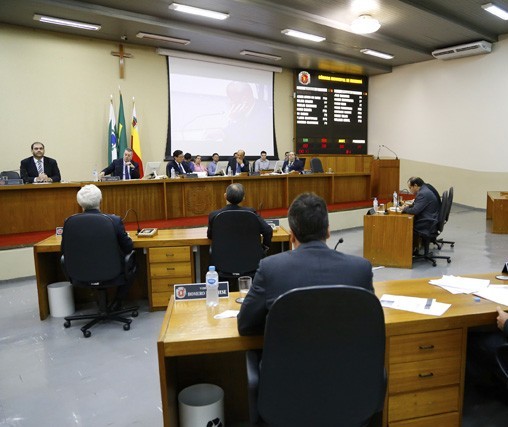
(384, 178)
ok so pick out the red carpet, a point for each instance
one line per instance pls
(29, 239)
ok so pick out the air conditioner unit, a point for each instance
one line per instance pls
(462, 50)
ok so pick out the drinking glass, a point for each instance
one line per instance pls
(244, 283)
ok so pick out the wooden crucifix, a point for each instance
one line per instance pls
(121, 56)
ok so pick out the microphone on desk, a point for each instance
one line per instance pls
(136, 214)
(379, 149)
(389, 149)
(338, 243)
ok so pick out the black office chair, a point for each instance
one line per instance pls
(10, 174)
(236, 245)
(322, 361)
(428, 239)
(92, 258)
(440, 241)
(316, 166)
(304, 160)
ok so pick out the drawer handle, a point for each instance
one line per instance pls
(170, 268)
(426, 375)
(426, 347)
(170, 255)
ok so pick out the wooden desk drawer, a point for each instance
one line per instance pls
(429, 345)
(170, 254)
(442, 420)
(423, 374)
(176, 269)
(160, 300)
(166, 284)
(419, 404)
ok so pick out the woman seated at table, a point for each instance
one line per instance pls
(198, 167)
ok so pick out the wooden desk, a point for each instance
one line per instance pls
(497, 210)
(388, 240)
(171, 257)
(425, 355)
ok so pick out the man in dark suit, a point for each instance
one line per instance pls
(293, 164)
(125, 168)
(310, 263)
(39, 168)
(89, 198)
(234, 195)
(425, 208)
(238, 163)
(177, 164)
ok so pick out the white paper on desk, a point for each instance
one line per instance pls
(460, 285)
(226, 314)
(414, 304)
(496, 293)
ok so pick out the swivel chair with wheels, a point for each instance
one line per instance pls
(428, 239)
(236, 245)
(91, 258)
(322, 361)
(440, 241)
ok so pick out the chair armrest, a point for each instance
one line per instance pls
(130, 266)
(502, 359)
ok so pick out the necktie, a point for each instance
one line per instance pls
(39, 167)
(181, 168)
(126, 172)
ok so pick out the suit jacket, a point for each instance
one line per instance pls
(28, 169)
(173, 165)
(264, 228)
(312, 263)
(232, 165)
(116, 169)
(296, 166)
(425, 208)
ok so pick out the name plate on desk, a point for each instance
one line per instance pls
(194, 291)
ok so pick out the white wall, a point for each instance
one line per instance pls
(447, 121)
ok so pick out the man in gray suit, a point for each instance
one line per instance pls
(311, 263)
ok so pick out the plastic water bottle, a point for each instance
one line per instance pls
(395, 200)
(95, 175)
(212, 287)
(375, 204)
(286, 170)
(173, 173)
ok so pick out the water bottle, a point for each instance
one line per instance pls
(375, 204)
(212, 287)
(395, 200)
(286, 170)
(95, 175)
(173, 173)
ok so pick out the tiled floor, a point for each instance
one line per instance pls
(51, 376)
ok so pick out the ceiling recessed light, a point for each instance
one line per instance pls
(160, 37)
(365, 24)
(260, 55)
(198, 11)
(496, 10)
(377, 53)
(66, 22)
(300, 35)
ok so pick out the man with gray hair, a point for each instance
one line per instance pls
(89, 198)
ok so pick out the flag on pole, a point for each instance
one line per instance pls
(135, 144)
(122, 131)
(112, 139)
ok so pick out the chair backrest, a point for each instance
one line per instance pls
(90, 249)
(441, 219)
(10, 174)
(450, 201)
(304, 160)
(236, 242)
(315, 165)
(323, 358)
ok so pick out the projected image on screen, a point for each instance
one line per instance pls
(219, 108)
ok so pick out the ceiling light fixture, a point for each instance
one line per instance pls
(377, 53)
(160, 37)
(66, 22)
(496, 10)
(300, 35)
(260, 55)
(365, 24)
(198, 11)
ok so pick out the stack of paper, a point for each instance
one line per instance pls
(496, 293)
(416, 305)
(461, 285)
